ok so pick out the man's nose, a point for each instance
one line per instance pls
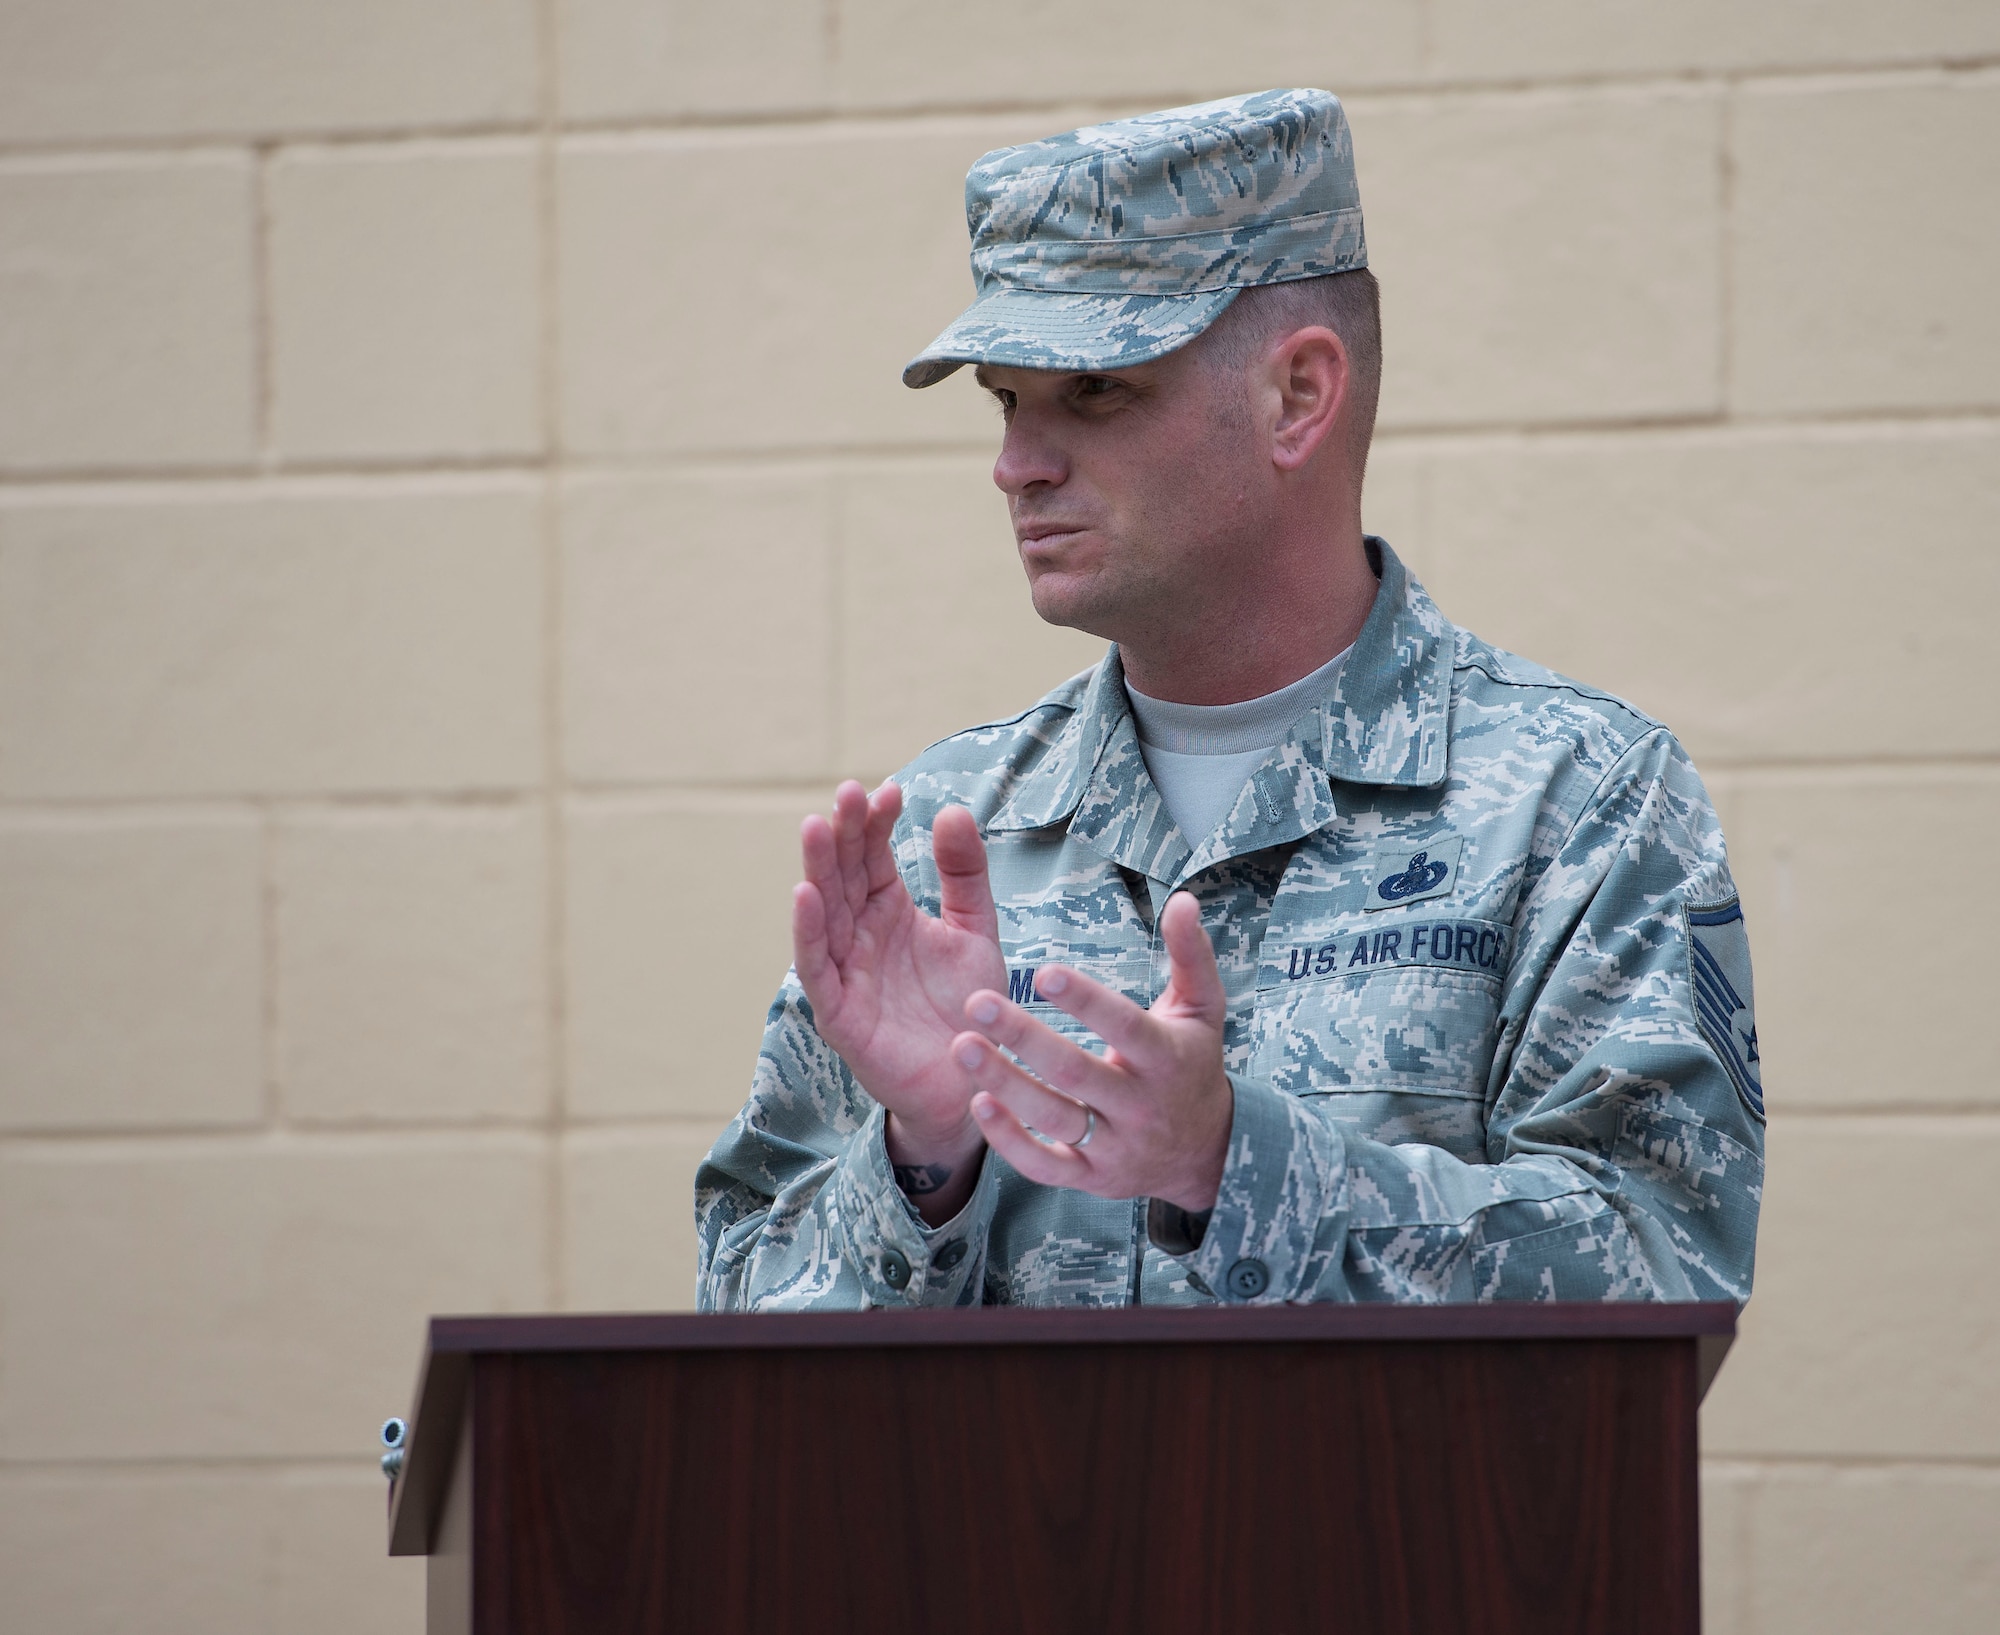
(1028, 457)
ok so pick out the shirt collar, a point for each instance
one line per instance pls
(1384, 724)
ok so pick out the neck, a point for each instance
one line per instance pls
(1249, 634)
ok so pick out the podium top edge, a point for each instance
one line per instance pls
(987, 1326)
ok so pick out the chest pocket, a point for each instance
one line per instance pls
(1398, 1034)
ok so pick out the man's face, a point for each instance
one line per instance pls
(1134, 493)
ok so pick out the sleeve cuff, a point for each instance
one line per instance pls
(899, 1260)
(1283, 1178)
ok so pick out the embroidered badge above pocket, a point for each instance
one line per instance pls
(1430, 870)
(1719, 967)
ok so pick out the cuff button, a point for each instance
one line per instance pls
(896, 1269)
(947, 1258)
(1248, 1279)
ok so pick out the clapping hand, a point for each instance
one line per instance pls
(888, 983)
(1149, 1117)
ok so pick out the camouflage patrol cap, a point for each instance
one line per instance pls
(1113, 245)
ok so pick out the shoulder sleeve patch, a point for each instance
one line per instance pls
(1719, 971)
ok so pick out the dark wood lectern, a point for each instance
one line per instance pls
(1369, 1468)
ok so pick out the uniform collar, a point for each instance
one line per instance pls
(1383, 723)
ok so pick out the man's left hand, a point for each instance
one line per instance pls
(1161, 1099)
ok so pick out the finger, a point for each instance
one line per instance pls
(811, 958)
(965, 894)
(850, 822)
(884, 807)
(1052, 1058)
(1195, 987)
(1059, 1117)
(1054, 1166)
(822, 864)
(1127, 1028)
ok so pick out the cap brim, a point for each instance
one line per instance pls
(1070, 333)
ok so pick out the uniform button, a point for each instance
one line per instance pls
(950, 1255)
(896, 1270)
(1248, 1279)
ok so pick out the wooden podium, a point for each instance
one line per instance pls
(1306, 1468)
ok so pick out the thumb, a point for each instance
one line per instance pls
(965, 894)
(1196, 982)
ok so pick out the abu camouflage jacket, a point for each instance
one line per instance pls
(1490, 1027)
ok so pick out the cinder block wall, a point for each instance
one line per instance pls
(457, 510)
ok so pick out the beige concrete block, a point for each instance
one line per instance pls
(1738, 587)
(903, 53)
(939, 633)
(698, 626)
(679, 932)
(126, 311)
(110, 1552)
(1548, 38)
(73, 69)
(1544, 258)
(413, 966)
(107, 1552)
(1845, 1016)
(311, 639)
(628, 1216)
(406, 302)
(1392, 503)
(248, 1299)
(1727, 1492)
(335, 1575)
(1864, 254)
(631, 59)
(1873, 1330)
(1855, 1552)
(791, 329)
(131, 972)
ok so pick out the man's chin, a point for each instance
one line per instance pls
(1072, 601)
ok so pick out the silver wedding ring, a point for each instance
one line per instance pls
(1089, 1130)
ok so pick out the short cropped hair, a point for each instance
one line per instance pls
(1349, 304)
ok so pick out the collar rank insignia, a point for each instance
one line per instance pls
(1410, 876)
(1719, 968)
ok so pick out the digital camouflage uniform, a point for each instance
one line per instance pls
(1489, 1011)
(1489, 1027)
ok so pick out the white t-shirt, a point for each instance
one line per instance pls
(1201, 755)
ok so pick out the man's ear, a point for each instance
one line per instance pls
(1310, 370)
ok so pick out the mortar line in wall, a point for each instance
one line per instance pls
(1725, 296)
(270, 1007)
(554, 811)
(277, 471)
(195, 1464)
(1835, 1463)
(1940, 67)
(198, 806)
(263, 341)
(358, 1138)
(1470, 436)
(1971, 761)
(836, 645)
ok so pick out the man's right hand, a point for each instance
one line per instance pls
(888, 983)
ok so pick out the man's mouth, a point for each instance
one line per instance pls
(1037, 533)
